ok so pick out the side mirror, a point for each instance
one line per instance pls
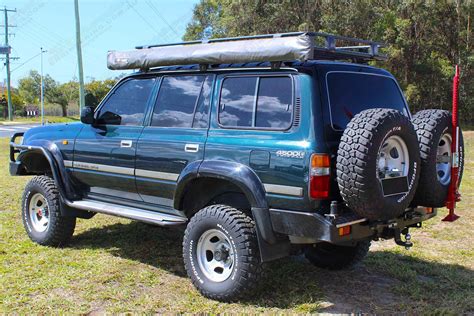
(87, 115)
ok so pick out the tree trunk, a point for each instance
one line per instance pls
(64, 108)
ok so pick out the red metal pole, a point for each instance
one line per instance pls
(453, 194)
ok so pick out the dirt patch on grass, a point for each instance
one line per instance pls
(359, 291)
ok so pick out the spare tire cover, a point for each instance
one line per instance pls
(378, 164)
(434, 130)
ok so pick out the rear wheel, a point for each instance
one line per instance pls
(334, 257)
(221, 253)
(41, 213)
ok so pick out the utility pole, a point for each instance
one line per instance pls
(7, 64)
(79, 56)
(42, 87)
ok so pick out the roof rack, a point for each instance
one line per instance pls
(274, 48)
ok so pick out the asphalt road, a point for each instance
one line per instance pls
(9, 130)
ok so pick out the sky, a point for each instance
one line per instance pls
(105, 25)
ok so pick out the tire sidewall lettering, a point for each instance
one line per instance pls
(398, 131)
(412, 168)
(192, 255)
(411, 183)
(193, 251)
(26, 218)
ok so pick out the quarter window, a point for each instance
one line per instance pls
(177, 101)
(126, 105)
(274, 103)
(257, 102)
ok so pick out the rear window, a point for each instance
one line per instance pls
(176, 101)
(351, 93)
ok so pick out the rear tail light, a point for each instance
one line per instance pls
(319, 176)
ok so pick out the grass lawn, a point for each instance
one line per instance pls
(48, 119)
(116, 265)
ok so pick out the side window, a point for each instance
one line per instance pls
(257, 102)
(177, 100)
(126, 105)
(274, 103)
(201, 117)
(237, 102)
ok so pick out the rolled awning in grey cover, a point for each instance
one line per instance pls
(250, 50)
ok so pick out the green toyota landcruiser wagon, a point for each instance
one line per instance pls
(259, 146)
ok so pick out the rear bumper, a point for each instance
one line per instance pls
(316, 227)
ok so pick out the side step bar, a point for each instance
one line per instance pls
(128, 212)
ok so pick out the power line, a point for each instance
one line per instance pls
(157, 12)
(145, 20)
(28, 60)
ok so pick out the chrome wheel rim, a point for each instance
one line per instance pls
(443, 159)
(215, 255)
(38, 209)
(393, 159)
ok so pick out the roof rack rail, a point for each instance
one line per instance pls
(269, 47)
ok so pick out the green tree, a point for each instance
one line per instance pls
(30, 90)
(425, 38)
(70, 90)
(207, 20)
(65, 94)
(97, 89)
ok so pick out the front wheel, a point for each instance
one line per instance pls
(220, 253)
(42, 216)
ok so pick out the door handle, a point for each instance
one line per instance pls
(191, 148)
(126, 144)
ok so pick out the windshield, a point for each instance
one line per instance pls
(351, 93)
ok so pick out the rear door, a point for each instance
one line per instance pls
(254, 124)
(104, 153)
(175, 135)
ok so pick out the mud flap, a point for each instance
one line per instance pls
(271, 246)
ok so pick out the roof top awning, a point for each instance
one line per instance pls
(298, 46)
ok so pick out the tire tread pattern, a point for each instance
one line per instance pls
(60, 228)
(246, 242)
(354, 150)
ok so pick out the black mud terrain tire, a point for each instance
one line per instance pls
(362, 187)
(226, 225)
(434, 130)
(335, 257)
(41, 213)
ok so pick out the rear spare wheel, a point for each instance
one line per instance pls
(378, 164)
(434, 130)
